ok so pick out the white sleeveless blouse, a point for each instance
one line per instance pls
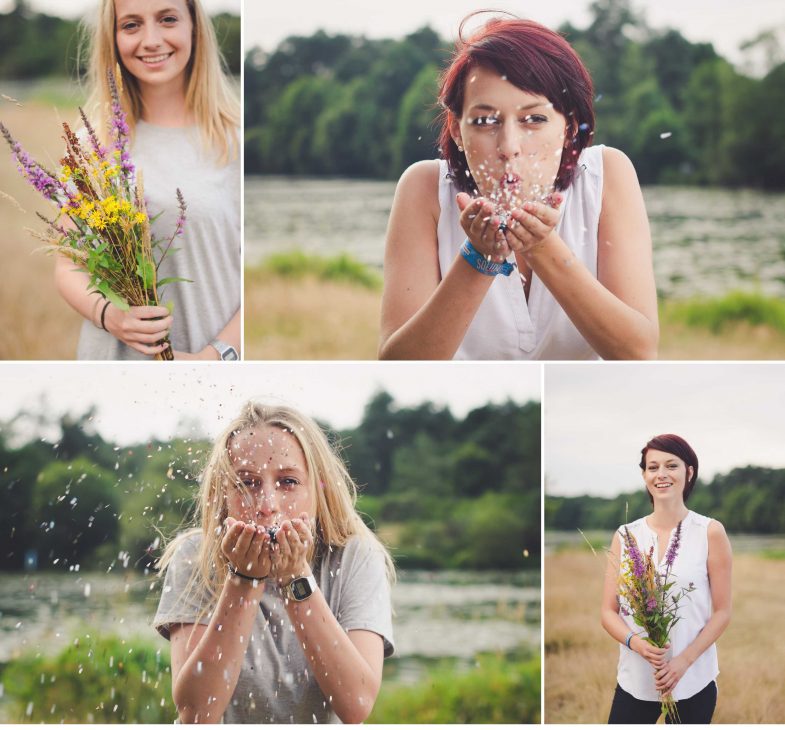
(635, 674)
(506, 326)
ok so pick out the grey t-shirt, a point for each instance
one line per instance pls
(276, 684)
(208, 252)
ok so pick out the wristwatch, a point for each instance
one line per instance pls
(225, 351)
(300, 588)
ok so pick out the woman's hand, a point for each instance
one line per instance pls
(247, 548)
(668, 676)
(481, 226)
(141, 328)
(290, 550)
(652, 654)
(528, 228)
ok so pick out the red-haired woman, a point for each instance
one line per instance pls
(696, 554)
(518, 188)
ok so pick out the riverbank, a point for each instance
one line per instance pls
(302, 314)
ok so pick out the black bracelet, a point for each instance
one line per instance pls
(103, 315)
(234, 571)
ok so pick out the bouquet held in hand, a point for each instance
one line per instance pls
(102, 195)
(644, 595)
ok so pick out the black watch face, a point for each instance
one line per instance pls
(300, 588)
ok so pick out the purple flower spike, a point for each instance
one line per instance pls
(36, 175)
(638, 566)
(651, 604)
(120, 129)
(673, 549)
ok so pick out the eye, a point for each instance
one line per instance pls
(129, 25)
(249, 483)
(534, 119)
(489, 120)
(169, 19)
(287, 483)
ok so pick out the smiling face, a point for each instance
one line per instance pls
(154, 41)
(666, 475)
(273, 483)
(513, 140)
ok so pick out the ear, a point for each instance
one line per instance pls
(690, 472)
(455, 129)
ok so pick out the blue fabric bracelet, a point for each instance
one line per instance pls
(479, 262)
(628, 639)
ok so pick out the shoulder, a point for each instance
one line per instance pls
(618, 169)
(421, 178)
(715, 529)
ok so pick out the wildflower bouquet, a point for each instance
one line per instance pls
(644, 593)
(100, 192)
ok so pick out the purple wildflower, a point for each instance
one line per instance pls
(651, 604)
(673, 548)
(36, 175)
(181, 218)
(638, 566)
(120, 130)
(97, 147)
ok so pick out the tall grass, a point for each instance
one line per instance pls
(735, 307)
(342, 268)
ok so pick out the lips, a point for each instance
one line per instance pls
(662, 486)
(510, 179)
(152, 60)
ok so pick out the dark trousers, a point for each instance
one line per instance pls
(698, 709)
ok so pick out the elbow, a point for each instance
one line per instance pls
(357, 710)
(642, 346)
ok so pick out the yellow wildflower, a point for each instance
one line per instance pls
(140, 217)
(65, 174)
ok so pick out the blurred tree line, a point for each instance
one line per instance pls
(343, 105)
(445, 492)
(748, 499)
(36, 45)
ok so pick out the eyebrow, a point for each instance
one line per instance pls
(524, 107)
(163, 11)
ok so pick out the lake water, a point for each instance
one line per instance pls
(437, 614)
(706, 242)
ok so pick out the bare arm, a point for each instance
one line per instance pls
(206, 660)
(424, 316)
(138, 328)
(346, 665)
(719, 566)
(617, 311)
(611, 621)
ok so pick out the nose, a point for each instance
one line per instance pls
(267, 500)
(152, 36)
(508, 140)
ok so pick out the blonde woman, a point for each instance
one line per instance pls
(183, 116)
(277, 605)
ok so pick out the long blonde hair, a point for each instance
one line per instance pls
(333, 493)
(210, 95)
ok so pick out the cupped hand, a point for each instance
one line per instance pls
(247, 548)
(652, 654)
(290, 550)
(529, 227)
(141, 328)
(667, 677)
(481, 226)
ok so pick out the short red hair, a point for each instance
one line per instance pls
(536, 60)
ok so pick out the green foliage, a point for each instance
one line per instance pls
(497, 691)
(377, 114)
(750, 499)
(342, 267)
(97, 679)
(736, 306)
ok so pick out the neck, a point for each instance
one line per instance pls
(165, 106)
(668, 514)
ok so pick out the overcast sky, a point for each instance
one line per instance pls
(138, 402)
(725, 23)
(597, 419)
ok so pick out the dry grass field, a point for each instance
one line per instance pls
(736, 342)
(35, 323)
(309, 319)
(580, 658)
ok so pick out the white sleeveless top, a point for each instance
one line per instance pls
(635, 674)
(505, 326)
